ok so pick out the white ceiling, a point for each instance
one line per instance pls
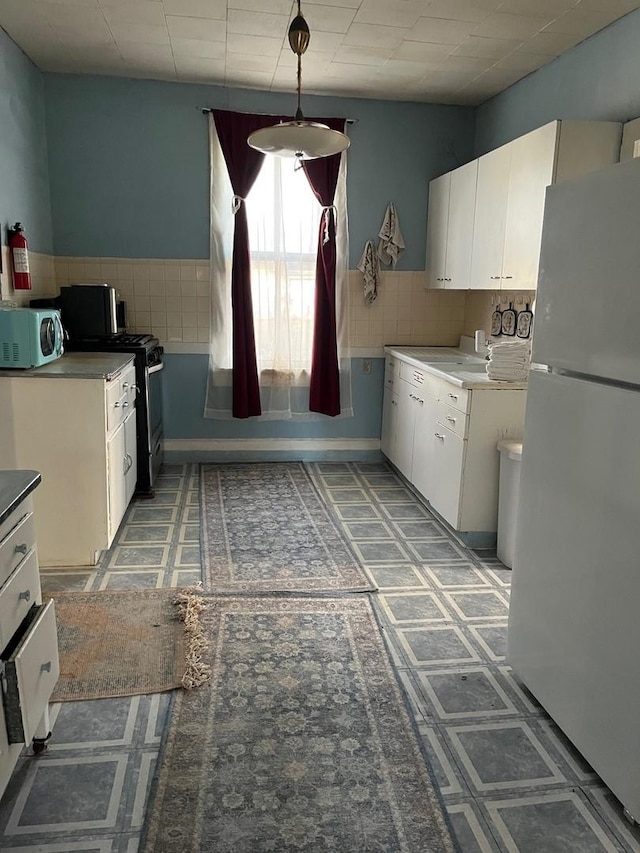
(448, 51)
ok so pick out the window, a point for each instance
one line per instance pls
(283, 217)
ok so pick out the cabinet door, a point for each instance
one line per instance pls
(116, 464)
(422, 475)
(389, 418)
(530, 173)
(437, 225)
(490, 219)
(405, 427)
(462, 204)
(448, 457)
(130, 456)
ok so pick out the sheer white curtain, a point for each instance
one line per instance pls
(283, 217)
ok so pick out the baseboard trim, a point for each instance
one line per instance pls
(256, 449)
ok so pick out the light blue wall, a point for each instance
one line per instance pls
(24, 178)
(598, 79)
(129, 163)
(185, 378)
(129, 178)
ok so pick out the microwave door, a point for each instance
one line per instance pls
(112, 317)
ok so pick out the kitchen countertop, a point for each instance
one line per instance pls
(14, 487)
(78, 365)
(455, 365)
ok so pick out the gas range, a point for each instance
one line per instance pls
(138, 343)
(148, 361)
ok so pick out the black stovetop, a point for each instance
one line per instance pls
(124, 342)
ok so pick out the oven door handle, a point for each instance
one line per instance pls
(155, 368)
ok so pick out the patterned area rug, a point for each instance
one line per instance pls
(265, 528)
(300, 741)
(120, 643)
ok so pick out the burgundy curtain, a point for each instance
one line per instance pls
(244, 165)
(324, 391)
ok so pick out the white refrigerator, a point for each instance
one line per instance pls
(574, 621)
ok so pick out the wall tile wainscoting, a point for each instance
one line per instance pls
(509, 780)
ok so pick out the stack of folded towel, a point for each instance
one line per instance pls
(509, 360)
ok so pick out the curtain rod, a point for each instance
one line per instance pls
(205, 110)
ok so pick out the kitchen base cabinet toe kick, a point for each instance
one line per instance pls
(29, 664)
(442, 437)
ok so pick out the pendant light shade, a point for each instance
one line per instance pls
(305, 140)
(299, 138)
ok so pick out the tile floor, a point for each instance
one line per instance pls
(509, 779)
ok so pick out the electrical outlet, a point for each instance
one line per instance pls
(366, 365)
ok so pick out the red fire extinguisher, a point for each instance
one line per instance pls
(20, 258)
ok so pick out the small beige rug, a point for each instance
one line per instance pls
(119, 643)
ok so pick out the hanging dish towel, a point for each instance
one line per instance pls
(391, 244)
(370, 269)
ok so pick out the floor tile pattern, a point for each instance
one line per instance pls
(509, 779)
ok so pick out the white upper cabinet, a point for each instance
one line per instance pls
(461, 220)
(450, 227)
(531, 171)
(490, 219)
(495, 209)
(437, 227)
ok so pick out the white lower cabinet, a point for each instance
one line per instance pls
(121, 465)
(444, 441)
(421, 473)
(29, 663)
(405, 426)
(445, 485)
(80, 433)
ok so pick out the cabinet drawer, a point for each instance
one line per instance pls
(452, 395)
(16, 546)
(117, 410)
(17, 596)
(31, 672)
(24, 508)
(417, 377)
(121, 395)
(389, 380)
(391, 364)
(453, 419)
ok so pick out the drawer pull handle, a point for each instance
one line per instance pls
(21, 549)
(125, 385)
(25, 596)
(439, 435)
(453, 396)
(450, 419)
(116, 405)
(125, 405)
(45, 667)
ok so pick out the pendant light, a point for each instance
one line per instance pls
(305, 140)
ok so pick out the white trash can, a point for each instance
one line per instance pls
(508, 497)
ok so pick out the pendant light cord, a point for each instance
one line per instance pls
(299, 116)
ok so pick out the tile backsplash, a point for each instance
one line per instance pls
(479, 306)
(170, 298)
